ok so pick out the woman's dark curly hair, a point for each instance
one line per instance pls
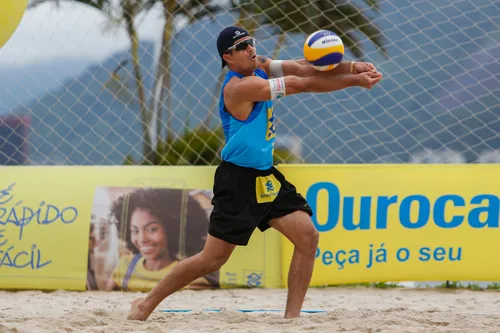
(182, 217)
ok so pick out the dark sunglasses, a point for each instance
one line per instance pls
(241, 46)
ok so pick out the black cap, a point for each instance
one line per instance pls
(227, 37)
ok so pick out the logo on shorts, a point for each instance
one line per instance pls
(267, 188)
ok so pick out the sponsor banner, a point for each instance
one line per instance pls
(401, 222)
(116, 228)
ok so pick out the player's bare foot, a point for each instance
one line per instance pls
(138, 311)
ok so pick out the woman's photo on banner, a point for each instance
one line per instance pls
(139, 234)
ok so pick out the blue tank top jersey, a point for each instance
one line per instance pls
(249, 143)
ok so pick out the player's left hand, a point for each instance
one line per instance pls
(362, 67)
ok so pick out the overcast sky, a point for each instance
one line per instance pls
(72, 30)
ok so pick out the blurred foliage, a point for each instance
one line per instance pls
(283, 155)
(344, 18)
(199, 146)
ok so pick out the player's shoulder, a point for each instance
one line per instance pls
(264, 64)
(233, 81)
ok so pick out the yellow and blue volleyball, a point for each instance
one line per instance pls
(11, 13)
(324, 50)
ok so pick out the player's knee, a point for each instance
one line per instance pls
(213, 262)
(308, 242)
(216, 263)
(312, 236)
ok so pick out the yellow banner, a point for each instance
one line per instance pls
(401, 222)
(102, 228)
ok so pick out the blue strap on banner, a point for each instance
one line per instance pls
(130, 270)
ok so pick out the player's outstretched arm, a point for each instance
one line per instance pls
(253, 88)
(302, 68)
(344, 68)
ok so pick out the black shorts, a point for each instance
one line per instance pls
(245, 199)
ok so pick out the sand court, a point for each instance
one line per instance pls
(346, 310)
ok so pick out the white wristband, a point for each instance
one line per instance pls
(277, 87)
(276, 68)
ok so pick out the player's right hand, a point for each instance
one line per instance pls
(368, 79)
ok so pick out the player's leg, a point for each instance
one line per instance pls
(230, 225)
(300, 230)
(291, 216)
(215, 254)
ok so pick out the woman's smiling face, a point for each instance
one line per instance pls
(148, 234)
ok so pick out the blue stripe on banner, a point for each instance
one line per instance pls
(177, 310)
(332, 58)
(240, 310)
(318, 36)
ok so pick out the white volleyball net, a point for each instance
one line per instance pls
(76, 89)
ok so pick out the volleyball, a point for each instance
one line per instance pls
(324, 50)
(11, 13)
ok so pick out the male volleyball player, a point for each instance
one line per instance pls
(249, 192)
